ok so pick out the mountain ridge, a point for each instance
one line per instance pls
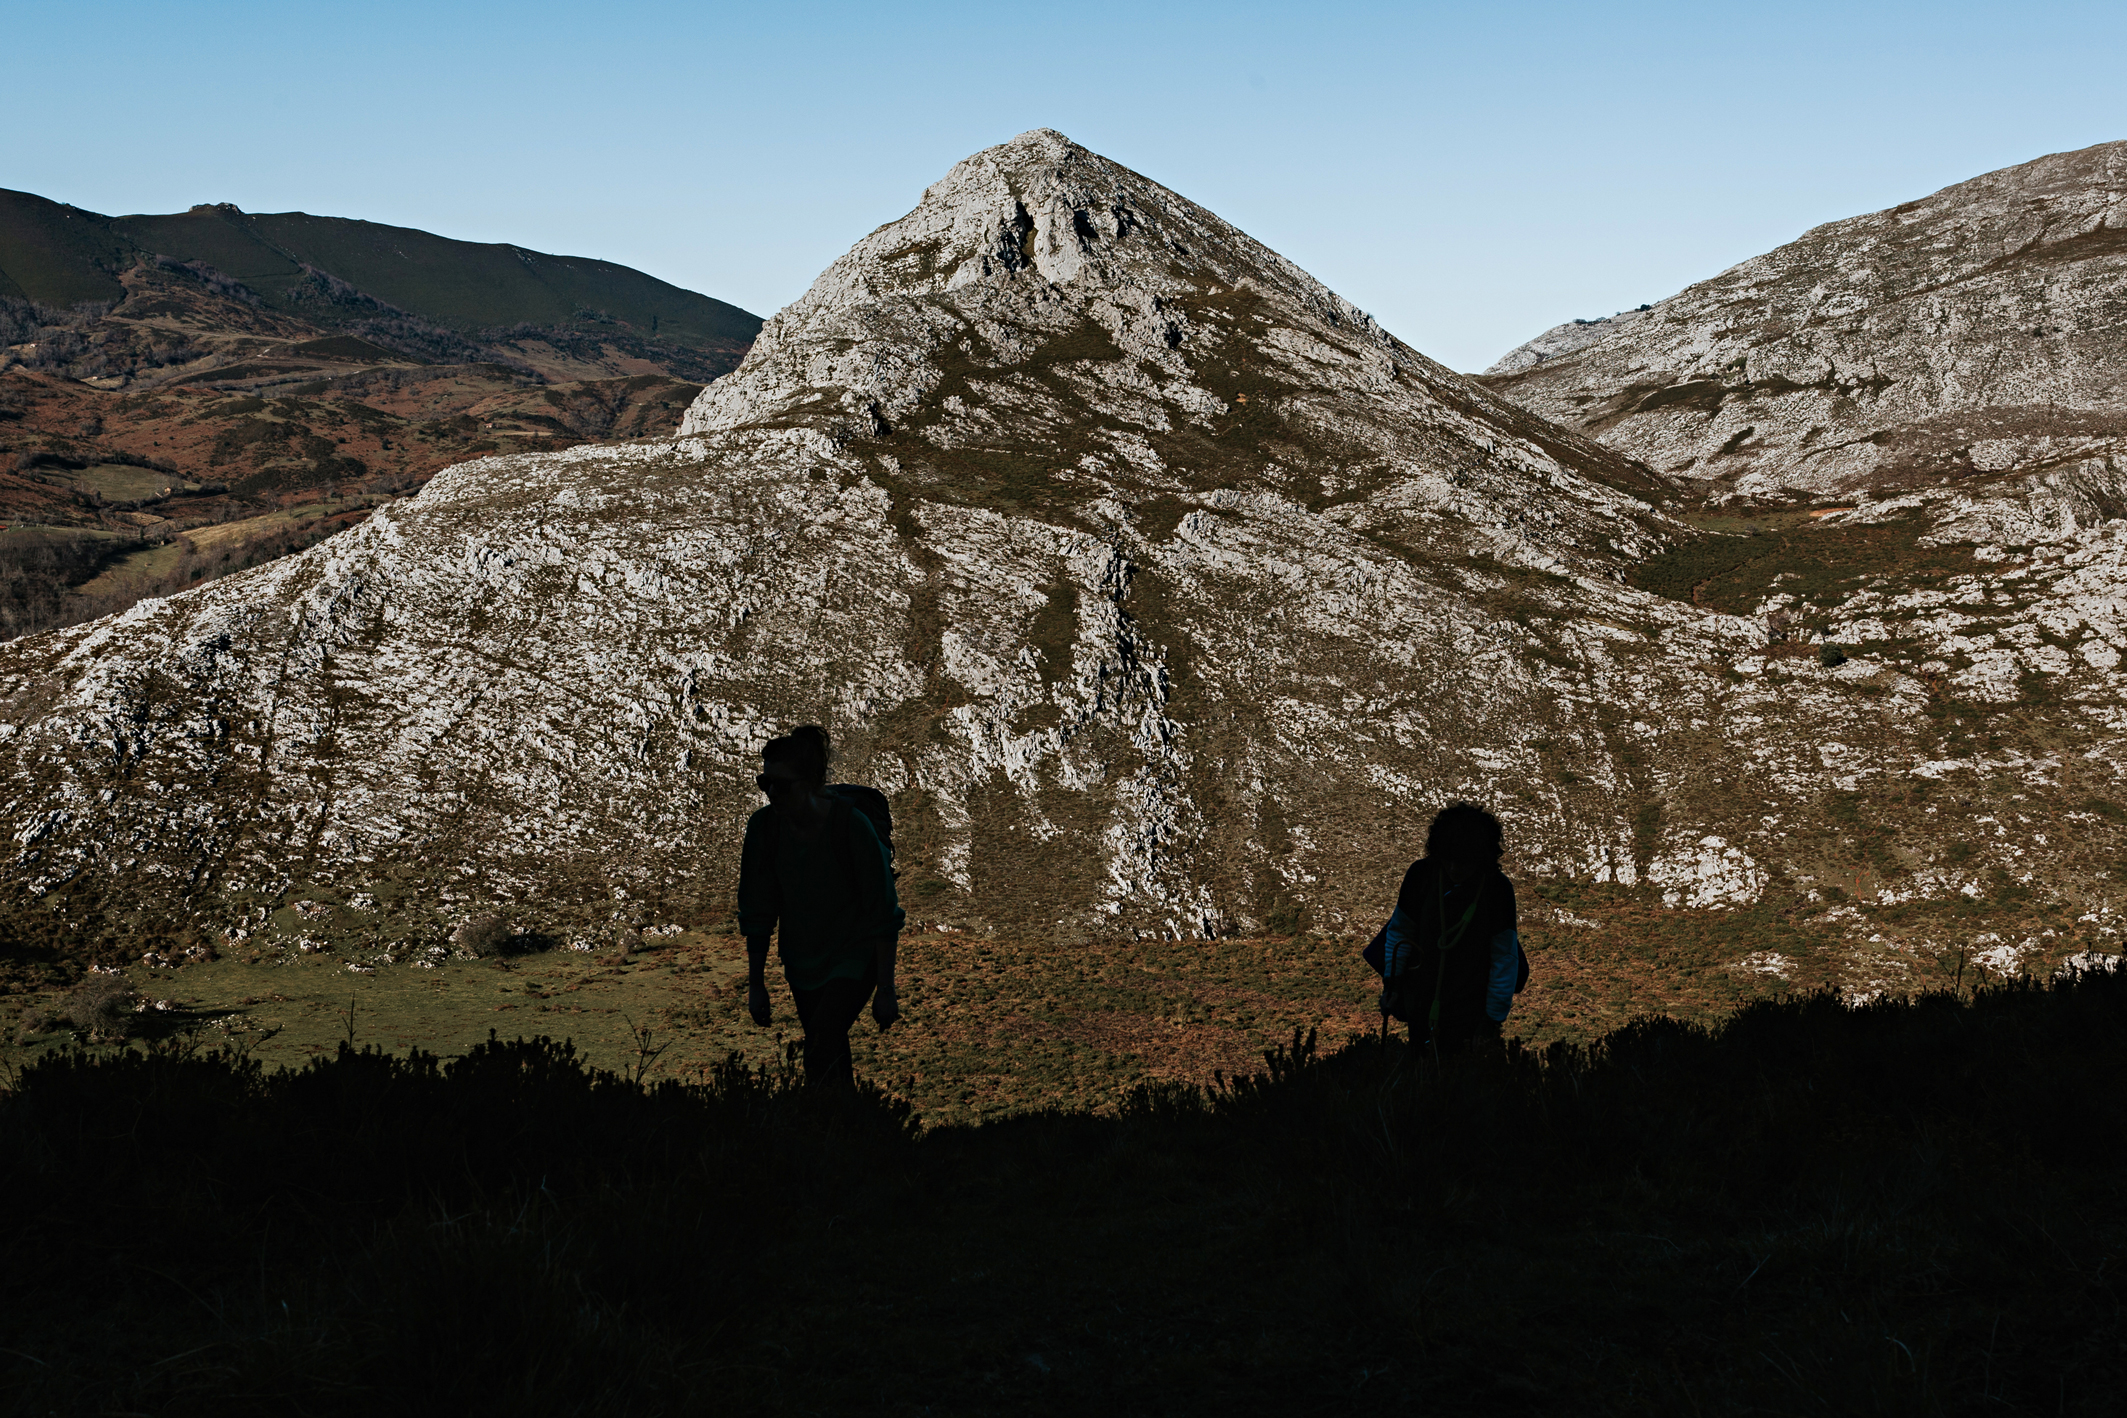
(61, 255)
(1963, 337)
(1163, 591)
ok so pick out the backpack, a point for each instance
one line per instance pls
(872, 803)
(1376, 955)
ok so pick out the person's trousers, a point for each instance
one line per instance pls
(1458, 1035)
(826, 1015)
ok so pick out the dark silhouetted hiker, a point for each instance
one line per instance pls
(815, 874)
(1451, 958)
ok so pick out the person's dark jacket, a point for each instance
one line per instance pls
(829, 898)
(1440, 949)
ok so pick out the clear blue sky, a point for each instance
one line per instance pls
(1471, 173)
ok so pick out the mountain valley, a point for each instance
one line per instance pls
(275, 377)
(1167, 595)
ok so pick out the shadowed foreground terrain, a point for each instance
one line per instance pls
(1909, 1207)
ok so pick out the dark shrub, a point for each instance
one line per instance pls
(484, 936)
(102, 1006)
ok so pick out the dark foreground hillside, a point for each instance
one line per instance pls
(1911, 1207)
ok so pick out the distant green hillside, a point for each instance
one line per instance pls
(56, 254)
(62, 255)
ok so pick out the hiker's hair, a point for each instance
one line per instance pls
(1465, 832)
(805, 749)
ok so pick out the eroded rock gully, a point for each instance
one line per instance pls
(1161, 588)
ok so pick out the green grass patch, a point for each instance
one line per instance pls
(117, 482)
(1820, 564)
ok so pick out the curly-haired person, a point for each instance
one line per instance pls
(1453, 959)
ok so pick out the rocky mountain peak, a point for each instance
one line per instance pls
(1961, 339)
(1160, 589)
(1047, 322)
(1018, 248)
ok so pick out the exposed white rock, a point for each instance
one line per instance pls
(1706, 873)
(1961, 339)
(2088, 962)
(1157, 584)
(1767, 962)
(1564, 340)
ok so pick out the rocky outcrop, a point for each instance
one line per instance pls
(1964, 340)
(1561, 340)
(1160, 587)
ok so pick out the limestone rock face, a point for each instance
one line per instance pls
(1954, 370)
(1160, 588)
(1564, 339)
(1969, 338)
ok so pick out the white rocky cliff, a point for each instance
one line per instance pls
(1159, 586)
(1969, 340)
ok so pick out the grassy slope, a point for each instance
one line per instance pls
(57, 254)
(470, 286)
(221, 239)
(1908, 1208)
(61, 256)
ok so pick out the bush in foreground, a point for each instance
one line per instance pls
(1909, 1207)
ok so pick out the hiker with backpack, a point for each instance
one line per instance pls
(1450, 957)
(816, 872)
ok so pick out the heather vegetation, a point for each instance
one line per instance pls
(278, 361)
(1910, 1207)
(53, 577)
(77, 342)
